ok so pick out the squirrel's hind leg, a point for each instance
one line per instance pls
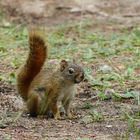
(33, 104)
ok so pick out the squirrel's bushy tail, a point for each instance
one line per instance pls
(33, 65)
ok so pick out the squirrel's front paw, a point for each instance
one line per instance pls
(57, 116)
(71, 116)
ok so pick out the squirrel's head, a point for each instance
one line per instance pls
(71, 71)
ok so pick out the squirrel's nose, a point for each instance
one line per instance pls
(82, 76)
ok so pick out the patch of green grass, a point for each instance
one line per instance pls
(132, 129)
(69, 42)
(12, 43)
(87, 105)
(102, 96)
(7, 136)
(96, 116)
(13, 36)
(79, 138)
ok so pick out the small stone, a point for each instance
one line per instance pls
(18, 104)
(6, 24)
(87, 119)
(108, 126)
(105, 69)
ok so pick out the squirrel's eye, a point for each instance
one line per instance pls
(71, 70)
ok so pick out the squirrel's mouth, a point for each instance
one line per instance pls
(79, 78)
(77, 82)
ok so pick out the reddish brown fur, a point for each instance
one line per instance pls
(34, 63)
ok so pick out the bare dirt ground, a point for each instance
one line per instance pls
(107, 16)
(54, 12)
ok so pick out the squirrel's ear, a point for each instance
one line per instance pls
(63, 65)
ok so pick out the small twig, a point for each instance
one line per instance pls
(131, 15)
